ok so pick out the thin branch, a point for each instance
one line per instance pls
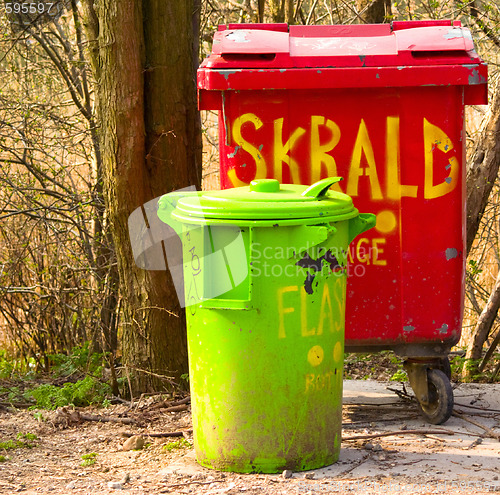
(311, 12)
(475, 13)
(54, 56)
(489, 432)
(400, 432)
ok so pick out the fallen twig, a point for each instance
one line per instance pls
(160, 435)
(107, 419)
(18, 405)
(390, 406)
(402, 394)
(475, 443)
(180, 407)
(115, 399)
(400, 432)
(432, 437)
(486, 409)
(73, 416)
(356, 424)
(489, 431)
(177, 485)
(170, 405)
(354, 465)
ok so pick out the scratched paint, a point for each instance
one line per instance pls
(476, 78)
(458, 33)
(455, 33)
(238, 36)
(316, 265)
(444, 329)
(227, 72)
(451, 253)
(232, 155)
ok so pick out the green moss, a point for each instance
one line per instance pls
(178, 444)
(88, 459)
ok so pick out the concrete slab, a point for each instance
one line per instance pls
(467, 459)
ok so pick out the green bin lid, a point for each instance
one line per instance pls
(267, 199)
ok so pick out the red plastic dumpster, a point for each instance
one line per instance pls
(382, 106)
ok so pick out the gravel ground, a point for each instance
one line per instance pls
(464, 460)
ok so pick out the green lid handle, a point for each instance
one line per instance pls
(319, 189)
(360, 224)
(265, 185)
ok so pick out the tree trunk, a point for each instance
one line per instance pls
(481, 332)
(151, 145)
(260, 10)
(376, 11)
(481, 176)
(483, 169)
(276, 10)
(281, 10)
(289, 10)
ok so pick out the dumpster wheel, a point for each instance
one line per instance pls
(439, 406)
(445, 367)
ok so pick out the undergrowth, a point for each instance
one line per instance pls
(23, 441)
(80, 359)
(88, 391)
(80, 372)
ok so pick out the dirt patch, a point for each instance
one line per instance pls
(74, 455)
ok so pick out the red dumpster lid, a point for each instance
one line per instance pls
(402, 54)
(376, 43)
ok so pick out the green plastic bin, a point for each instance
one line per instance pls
(265, 282)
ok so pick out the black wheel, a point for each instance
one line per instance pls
(440, 405)
(445, 367)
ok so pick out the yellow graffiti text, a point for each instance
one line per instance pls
(434, 138)
(317, 382)
(282, 152)
(395, 190)
(325, 136)
(363, 147)
(282, 311)
(260, 163)
(328, 318)
(321, 161)
(369, 252)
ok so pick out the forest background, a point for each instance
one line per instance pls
(70, 297)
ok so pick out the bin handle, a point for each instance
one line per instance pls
(360, 224)
(320, 188)
(166, 206)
